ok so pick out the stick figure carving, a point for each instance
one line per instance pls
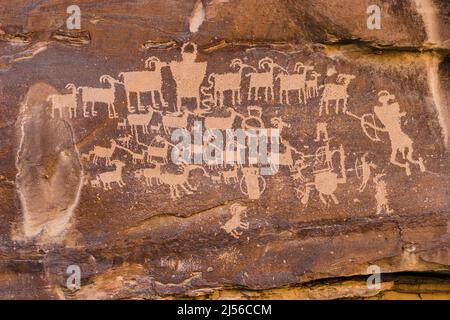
(363, 168)
(381, 194)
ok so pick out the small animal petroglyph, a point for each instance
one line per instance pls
(263, 80)
(294, 82)
(102, 152)
(235, 225)
(107, 178)
(336, 92)
(99, 95)
(64, 101)
(150, 175)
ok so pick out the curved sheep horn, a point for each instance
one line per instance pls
(150, 60)
(264, 61)
(71, 86)
(235, 62)
(298, 66)
(106, 78)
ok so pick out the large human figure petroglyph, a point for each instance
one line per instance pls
(189, 75)
(390, 116)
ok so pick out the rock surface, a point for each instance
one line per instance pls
(364, 149)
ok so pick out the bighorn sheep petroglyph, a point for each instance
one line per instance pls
(102, 152)
(312, 85)
(263, 80)
(99, 95)
(221, 83)
(294, 82)
(144, 81)
(64, 101)
(107, 178)
(336, 92)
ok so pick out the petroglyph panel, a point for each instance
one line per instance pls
(193, 164)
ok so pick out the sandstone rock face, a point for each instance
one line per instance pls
(355, 121)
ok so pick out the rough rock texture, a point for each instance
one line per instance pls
(338, 204)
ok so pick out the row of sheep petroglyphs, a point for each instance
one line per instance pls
(143, 146)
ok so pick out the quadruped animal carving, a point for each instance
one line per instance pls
(336, 92)
(64, 101)
(99, 95)
(103, 152)
(263, 80)
(144, 81)
(294, 82)
(109, 177)
(235, 226)
(219, 84)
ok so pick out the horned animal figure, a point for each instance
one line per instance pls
(294, 82)
(263, 80)
(64, 101)
(336, 92)
(230, 81)
(233, 225)
(99, 95)
(144, 81)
